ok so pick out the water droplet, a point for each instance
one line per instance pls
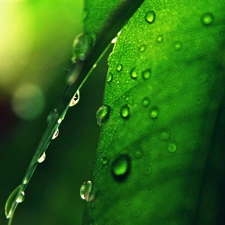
(133, 73)
(102, 115)
(159, 39)
(52, 115)
(125, 111)
(75, 99)
(42, 158)
(10, 204)
(109, 77)
(178, 45)
(87, 191)
(142, 48)
(114, 40)
(55, 135)
(121, 167)
(207, 19)
(138, 154)
(154, 113)
(21, 197)
(150, 16)
(172, 148)
(146, 74)
(81, 46)
(104, 161)
(164, 135)
(145, 101)
(25, 181)
(119, 67)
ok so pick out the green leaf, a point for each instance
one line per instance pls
(160, 154)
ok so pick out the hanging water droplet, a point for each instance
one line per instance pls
(119, 67)
(121, 167)
(154, 113)
(75, 99)
(55, 135)
(150, 16)
(172, 148)
(138, 154)
(146, 74)
(42, 158)
(133, 73)
(207, 19)
(10, 203)
(81, 46)
(102, 115)
(87, 191)
(142, 48)
(159, 39)
(109, 77)
(104, 161)
(125, 111)
(178, 45)
(145, 101)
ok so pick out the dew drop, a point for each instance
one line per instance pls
(114, 40)
(138, 154)
(52, 116)
(142, 48)
(172, 148)
(102, 115)
(81, 46)
(119, 67)
(125, 111)
(87, 192)
(145, 101)
(10, 204)
(75, 99)
(42, 158)
(207, 19)
(55, 135)
(154, 113)
(159, 39)
(109, 77)
(133, 73)
(150, 16)
(178, 45)
(146, 74)
(121, 167)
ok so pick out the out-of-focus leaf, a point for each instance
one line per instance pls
(160, 158)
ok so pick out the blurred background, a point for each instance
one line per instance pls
(35, 53)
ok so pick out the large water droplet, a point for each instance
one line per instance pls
(207, 19)
(150, 16)
(154, 113)
(87, 191)
(145, 101)
(146, 74)
(121, 167)
(81, 46)
(42, 158)
(133, 73)
(125, 111)
(10, 204)
(55, 135)
(75, 99)
(102, 115)
(172, 148)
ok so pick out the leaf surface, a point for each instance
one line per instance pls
(160, 154)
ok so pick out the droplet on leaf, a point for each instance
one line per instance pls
(119, 67)
(142, 48)
(178, 45)
(125, 111)
(75, 99)
(154, 113)
(133, 73)
(164, 135)
(102, 115)
(150, 16)
(172, 148)
(42, 158)
(160, 39)
(146, 74)
(21, 197)
(55, 135)
(121, 167)
(104, 161)
(109, 77)
(138, 154)
(207, 19)
(87, 191)
(145, 101)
